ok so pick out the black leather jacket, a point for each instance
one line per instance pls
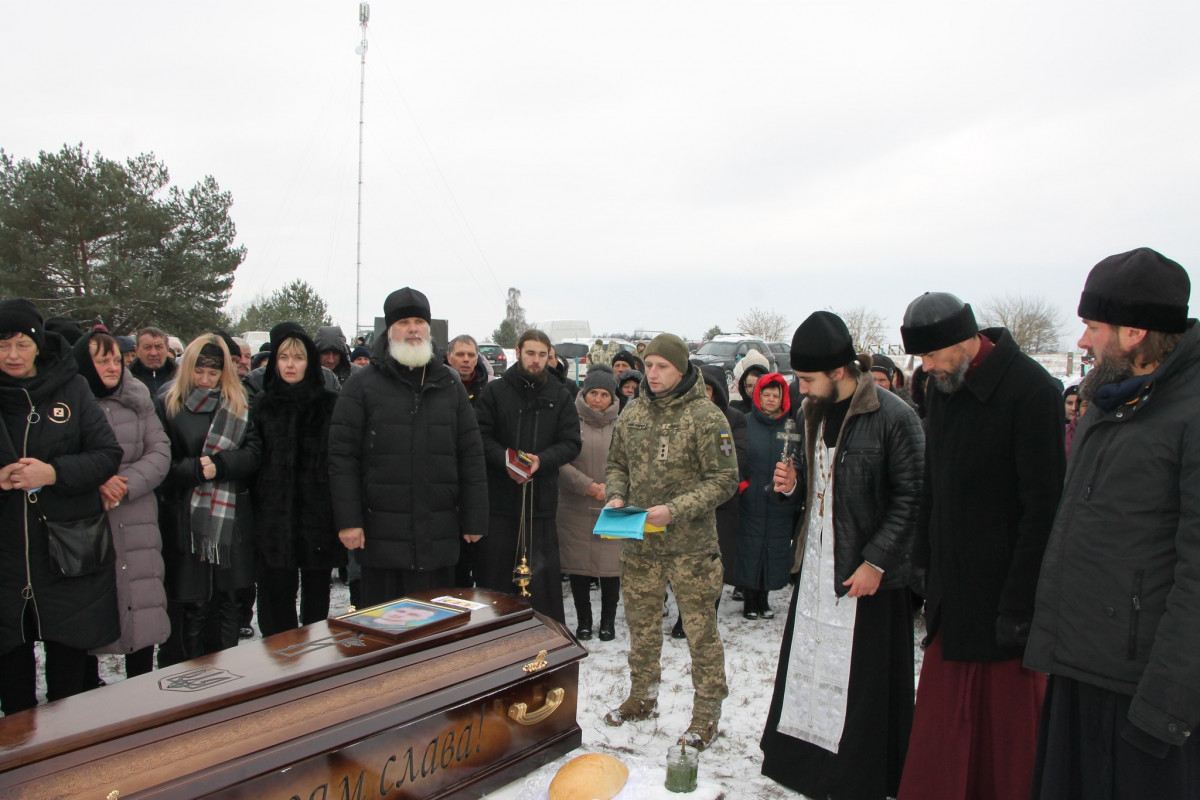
(877, 481)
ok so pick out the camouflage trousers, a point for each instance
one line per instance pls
(696, 581)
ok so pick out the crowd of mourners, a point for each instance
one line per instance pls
(155, 497)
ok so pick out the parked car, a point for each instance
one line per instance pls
(494, 354)
(783, 359)
(575, 356)
(727, 349)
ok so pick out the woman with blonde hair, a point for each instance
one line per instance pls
(205, 510)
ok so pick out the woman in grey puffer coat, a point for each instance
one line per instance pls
(129, 499)
(583, 555)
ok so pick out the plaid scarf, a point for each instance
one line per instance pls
(213, 502)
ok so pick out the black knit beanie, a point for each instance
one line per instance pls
(65, 327)
(1138, 289)
(21, 316)
(821, 343)
(235, 352)
(625, 357)
(936, 320)
(881, 363)
(405, 303)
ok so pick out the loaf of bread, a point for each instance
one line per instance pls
(593, 776)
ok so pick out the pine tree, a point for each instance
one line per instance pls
(98, 240)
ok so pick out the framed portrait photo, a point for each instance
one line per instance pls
(403, 618)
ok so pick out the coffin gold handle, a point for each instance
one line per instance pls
(519, 711)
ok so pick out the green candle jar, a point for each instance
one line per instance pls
(683, 763)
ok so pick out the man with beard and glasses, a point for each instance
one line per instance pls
(1117, 621)
(994, 465)
(526, 411)
(405, 460)
(839, 720)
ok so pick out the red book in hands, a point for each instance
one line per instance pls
(519, 465)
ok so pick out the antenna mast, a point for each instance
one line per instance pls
(364, 14)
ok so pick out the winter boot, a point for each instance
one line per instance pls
(702, 731)
(633, 709)
(583, 606)
(610, 594)
(750, 604)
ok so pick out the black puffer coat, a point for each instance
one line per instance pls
(727, 512)
(541, 421)
(188, 579)
(877, 484)
(994, 473)
(71, 433)
(406, 463)
(155, 379)
(1118, 602)
(293, 512)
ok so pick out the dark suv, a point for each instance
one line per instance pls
(727, 349)
(494, 354)
(783, 359)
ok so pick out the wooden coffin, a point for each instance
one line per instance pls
(315, 714)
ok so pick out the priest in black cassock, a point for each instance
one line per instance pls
(840, 716)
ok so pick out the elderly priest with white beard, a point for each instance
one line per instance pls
(406, 467)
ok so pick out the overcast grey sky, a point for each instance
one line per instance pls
(663, 165)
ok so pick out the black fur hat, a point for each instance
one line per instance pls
(936, 320)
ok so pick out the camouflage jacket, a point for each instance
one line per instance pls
(674, 450)
(600, 354)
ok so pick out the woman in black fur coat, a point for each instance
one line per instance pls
(296, 543)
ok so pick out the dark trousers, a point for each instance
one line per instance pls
(277, 590)
(212, 625)
(498, 556)
(464, 572)
(1081, 754)
(610, 595)
(139, 662)
(170, 652)
(379, 585)
(755, 600)
(66, 675)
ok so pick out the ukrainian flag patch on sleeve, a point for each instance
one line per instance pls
(726, 444)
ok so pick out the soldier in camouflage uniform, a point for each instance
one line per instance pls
(599, 354)
(672, 454)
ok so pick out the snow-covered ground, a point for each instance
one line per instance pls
(730, 765)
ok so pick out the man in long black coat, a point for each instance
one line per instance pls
(405, 460)
(994, 468)
(529, 411)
